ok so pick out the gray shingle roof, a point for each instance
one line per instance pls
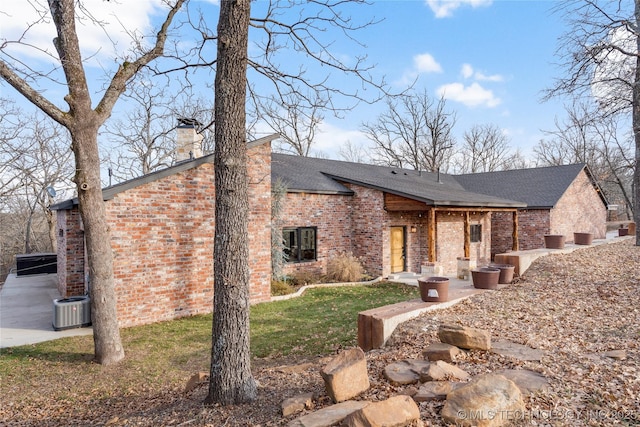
(312, 175)
(539, 188)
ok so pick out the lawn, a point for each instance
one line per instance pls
(165, 354)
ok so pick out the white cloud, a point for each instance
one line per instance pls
(468, 72)
(422, 63)
(426, 63)
(98, 42)
(445, 8)
(471, 96)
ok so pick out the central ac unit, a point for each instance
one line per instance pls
(73, 312)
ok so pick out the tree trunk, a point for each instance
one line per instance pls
(636, 127)
(107, 345)
(231, 380)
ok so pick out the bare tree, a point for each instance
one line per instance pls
(485, 148)
(354, 153)
(289, 28)
(415, 132)
(83, 121)
(601, 56)
(295, 120)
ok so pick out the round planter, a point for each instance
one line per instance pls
(623, 232)
(485, 278)
(506, 273)
(553, 241)
(582, 238)
(434, 289)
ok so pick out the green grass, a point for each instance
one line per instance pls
(317, 323)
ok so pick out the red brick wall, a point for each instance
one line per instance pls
(162, 239)
(450, 240)
(70, 251)
(580, 209)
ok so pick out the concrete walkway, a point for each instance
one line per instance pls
(26, 311)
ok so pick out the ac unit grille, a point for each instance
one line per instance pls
(74, 312)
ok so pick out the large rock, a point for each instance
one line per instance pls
(441, 351)
(396, 411)
(465, 337)
(405, 372)
(488, 400)
(346, 376)
(297, 404)
(329, 416)
(442, 371)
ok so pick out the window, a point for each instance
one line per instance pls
(475, 231)
(299, 244)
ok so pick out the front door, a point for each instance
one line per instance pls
(397, 249)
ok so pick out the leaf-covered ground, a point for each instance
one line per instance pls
(574, 307)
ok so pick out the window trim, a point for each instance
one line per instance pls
(298, 236)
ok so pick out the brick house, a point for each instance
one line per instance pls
(161, 227)
(560, 200)
(393, 219)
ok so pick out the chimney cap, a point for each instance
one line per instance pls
(188, 123)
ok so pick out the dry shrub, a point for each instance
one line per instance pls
(302, 278)
(281, 287)
(345, 268)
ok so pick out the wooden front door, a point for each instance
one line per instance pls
(397, 249)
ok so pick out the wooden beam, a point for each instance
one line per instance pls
(467, 234)
(431, 235)
(515, 245)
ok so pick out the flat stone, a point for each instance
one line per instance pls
(346, 376)
(441, 351)
(405, 372)
(397, 411)
(465, 337)
(527, 381)
(488, 400)
(328, 416)
(435, 390)
(517, 351)
(297, 404)
(615, 354)
(442, 371)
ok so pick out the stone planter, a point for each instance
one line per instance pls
(434, 289)
(485, 278)
(506, 273)
(465, 265)
(623, 232)
(582, 238)
(553, 241)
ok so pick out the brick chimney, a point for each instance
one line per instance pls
(189, 141)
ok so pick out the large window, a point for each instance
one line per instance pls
(475, 230)
(300, 244)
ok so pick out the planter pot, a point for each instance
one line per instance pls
(582, 238)
(623, 232)
(632, 228)
(506, 273)
(434, 289)
(553, 241)
(485, 278)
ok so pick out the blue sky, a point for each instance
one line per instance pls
(490, 59)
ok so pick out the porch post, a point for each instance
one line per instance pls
(431, 234)
(467, 234)
(515, 239)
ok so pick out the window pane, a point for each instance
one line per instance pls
(308, 244)
(291, 246)
(476, 233)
